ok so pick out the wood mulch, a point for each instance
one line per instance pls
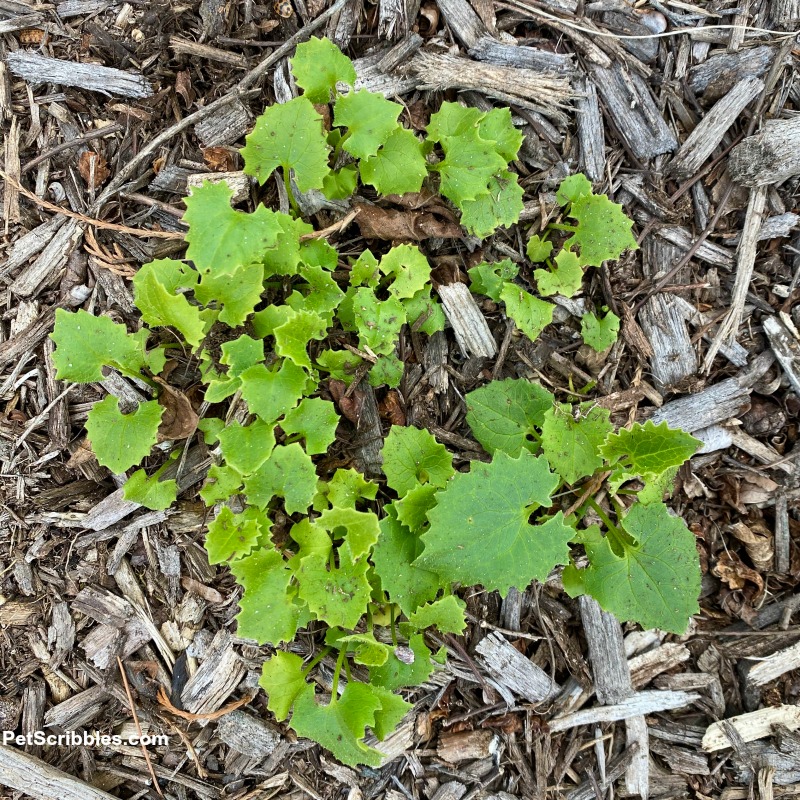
(110, 110)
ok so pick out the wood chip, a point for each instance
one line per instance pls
(469, 326)
(751, 726)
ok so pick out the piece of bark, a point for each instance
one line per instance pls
(463, 21)
(220, 673)
(224, 127)
(591, 134)
(543, 92)
(673, 359)
(31, 243)
(37, 69)
(489, 50)
(703, 140)
(760, 451)
(469, 325)
(637, 705)
(511, 669)
(786, 348)
(368, 441)
(766, 670)
(634, 112)
(648, 665)
(751, 726)
(768, 157)
(783, 541)
(373, 74)
(192, 49)
(78, 711)
(734, 352)
(719, 73)
(35, 778)
(247, 734)
(785, 13)
(52, 259)
(467, 745)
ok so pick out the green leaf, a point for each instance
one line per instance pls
(272, 393)
(409, 268)
(221, 239)
(412, 456)
(222, 483)
(340, 725)
(565, 280)
(282, 679)
(652, 578)
(412, 509)
(603, 232)
(407, 584)
(538, 249)
(453, 120)
(649, 450)
(292, 338)
(423, 305)
(398, 167)
(241, 354)
(233, 535)
(447, 615)
(572, 188)
(312, 538)
(378, 321)
(497, 126)
(85, 344)
(504, 415)
(268, 613)
(358, 529)
(338, 595)
(366, 649)
(530, 314)
(572, 443)
(365, 270)
(500, 205)
(395, 674)
(160, 305)
(320, 296)
(247, 448)
(388, 716)
(318, 65)
(287, 473)
(285, 257)
(489, 279)
(469, 164)
(341, 183)
(150, 492)
(347, 487)
(387, 370)
(369, 118)
(288, 135)
(238, 292)
(600, 332)
(474, 540)
(315, 420)
(121, 440)
(341, 364)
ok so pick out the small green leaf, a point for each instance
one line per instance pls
(288, 135)
(447, 615)
(341, 364)
(387, 370)
(395, 674)
(247, 448)
(222, 483)
(233, 535)
(398, 167)
(489, 279)
(530, 314)
(292, 338)
(287, 473)
(600, 332)
(504, 415)
(241, 354)
(85, 344)
(412, 456)
(268, 613)
(340, 726)
(121, 440)
(150, 492)
(409, 268)
(497, 126)
(347, 487)
(603, 231)
(358, 529)
(378, 321)
(366, 649)
(237, 292)
(572, 443)
(422, 305)
(468, 166)
(282, 679)
(318, 65)
(365, 271)
(500, 205)
(221, 239)
(338, 595)
(407, 584)
(538, 249)
(159, 305)
(412, 509)
(341, 183)
(653, 578)
(572, 188)
(272, 393)
(565, 280)
(453, 120)
(315, 420)
(388, 716)
(465, 520)
(369, 118)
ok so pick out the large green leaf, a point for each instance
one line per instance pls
(398, 167)
(412, 456)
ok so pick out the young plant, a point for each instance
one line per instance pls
(253, 307)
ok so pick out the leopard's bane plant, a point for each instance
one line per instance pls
(254, 304)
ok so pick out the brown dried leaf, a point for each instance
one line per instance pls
(183, 87)
(180, 419)
(391, 408)
(757, 540)
(408, 226)
(732, 570)
(349, 406)
(219, 159)
(93, 168)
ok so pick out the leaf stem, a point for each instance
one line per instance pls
(602, 514)
(314, 661)
(288, 184)
(335, 688)
(392, 622)
(557, 226)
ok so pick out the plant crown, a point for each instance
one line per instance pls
(374, 577)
